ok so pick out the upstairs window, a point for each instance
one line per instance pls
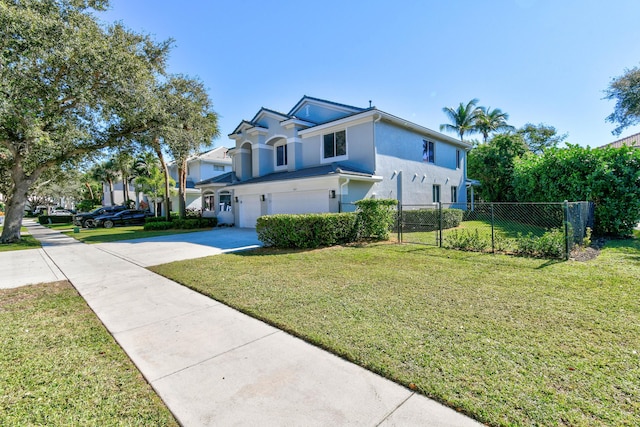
(428, 151)
(218, 168)
(458, 159)
(335, 144)
(281, 155)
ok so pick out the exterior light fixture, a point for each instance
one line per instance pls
(262, 198)
(332, 194)
(236, 199)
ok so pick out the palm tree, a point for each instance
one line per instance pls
(106, 172)
(463, 118)
(124, 162)
(488, 120)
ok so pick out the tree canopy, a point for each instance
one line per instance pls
(625, 90)
(492, 164)
(488, 121)
(462, 118)
(541, 137)
(66, 83)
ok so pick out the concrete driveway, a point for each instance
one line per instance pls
(177, 247)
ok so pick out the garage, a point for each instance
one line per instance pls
(249, 211)
(300, 202)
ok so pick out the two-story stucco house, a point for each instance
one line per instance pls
(322, 155)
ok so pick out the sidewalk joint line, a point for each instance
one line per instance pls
(396, 408)
(217, 355)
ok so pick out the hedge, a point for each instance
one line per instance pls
(55, 219)
(307, 230)
(157, 223)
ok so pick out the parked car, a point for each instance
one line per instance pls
(126, 217)
(86, 219)
(58, 212)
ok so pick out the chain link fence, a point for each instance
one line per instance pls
(548, 230)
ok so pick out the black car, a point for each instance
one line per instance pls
(86, 219)
(126, 217)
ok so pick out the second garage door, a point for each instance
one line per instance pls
(300, 202)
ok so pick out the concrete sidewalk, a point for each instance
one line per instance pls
(215, 366)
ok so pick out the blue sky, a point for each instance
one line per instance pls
(541, 61)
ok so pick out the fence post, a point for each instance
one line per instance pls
(493, 236)
(440, 225)
(566, 230)
(399, 222)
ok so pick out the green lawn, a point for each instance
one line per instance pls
(502, 228)
(103, 235)
(26, 242)
(510, 341)
(59, 366)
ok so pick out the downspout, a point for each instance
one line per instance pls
(375, 148)
(341, 186)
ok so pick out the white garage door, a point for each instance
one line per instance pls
(300, 202)
(249, 211)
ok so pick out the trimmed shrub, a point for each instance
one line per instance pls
(157, 225)
(151, 219)
(54, 219)
(179, 224)
(307, 230)
(376, 217)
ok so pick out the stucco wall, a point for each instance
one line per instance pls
(406, 176)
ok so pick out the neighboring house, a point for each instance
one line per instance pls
(322, 156)
(203, 166)
(200, 167)
(632, 141)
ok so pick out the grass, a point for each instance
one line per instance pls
(59, 366)
(509, 341)
(26, 242)
(505, 228)
(103, 235)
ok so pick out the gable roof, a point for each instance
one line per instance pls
(322, 102)
(225, 178)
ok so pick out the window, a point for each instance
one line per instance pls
(218, 168)
(436, 193)
(281, 155)
(428, 151)
(458, 159)
(454, 194)
(209, 203)
(335, 144)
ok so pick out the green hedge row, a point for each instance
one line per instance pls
(428, 219)
(307, 230)
(54, 219)
(374, 219)
(178, 223)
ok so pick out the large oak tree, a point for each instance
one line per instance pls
(67, 82)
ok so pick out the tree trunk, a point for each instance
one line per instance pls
(16, 204)
(110, 192)
(90, 190)
(182, 196)
(165, 171)
(125, 185)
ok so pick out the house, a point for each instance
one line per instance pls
(322, 156)
(632, 141)
(202, 166)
